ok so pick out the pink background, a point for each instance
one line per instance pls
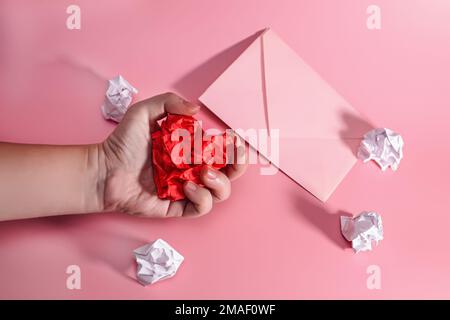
(271, 239)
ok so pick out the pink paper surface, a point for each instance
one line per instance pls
(271, 239)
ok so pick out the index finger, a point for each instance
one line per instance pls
(239, 166)
(158, 106)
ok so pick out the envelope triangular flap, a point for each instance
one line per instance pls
(237, 96)
(311, 116)
(300, 103)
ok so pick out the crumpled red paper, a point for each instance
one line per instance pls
(169, 176)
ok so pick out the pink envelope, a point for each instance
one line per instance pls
(270, 87)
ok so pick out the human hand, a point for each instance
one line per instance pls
(126, 168)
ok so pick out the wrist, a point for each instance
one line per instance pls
(96, 176)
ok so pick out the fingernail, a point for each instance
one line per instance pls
(211, 174)
(191, 186)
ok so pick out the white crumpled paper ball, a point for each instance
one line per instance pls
(118, 98)
(362, 230)
(384, 146)
(156, 261)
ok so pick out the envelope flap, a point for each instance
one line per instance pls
(237, 95)
(299, 102)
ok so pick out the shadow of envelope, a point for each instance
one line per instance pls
(270, 87)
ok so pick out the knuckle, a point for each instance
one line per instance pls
(170, 96)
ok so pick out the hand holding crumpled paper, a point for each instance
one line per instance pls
(169, 175)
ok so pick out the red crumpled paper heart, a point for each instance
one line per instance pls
(169, 175)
